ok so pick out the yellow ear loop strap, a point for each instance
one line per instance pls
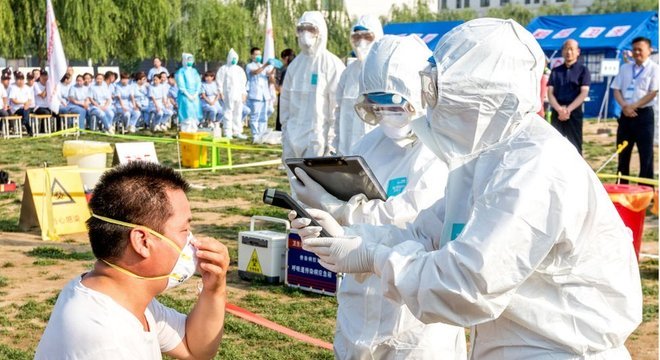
(135, 226)
(126, 272)
(153, 232)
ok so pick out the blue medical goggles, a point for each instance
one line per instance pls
(370, 107)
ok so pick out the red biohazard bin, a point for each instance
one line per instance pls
(631, 202)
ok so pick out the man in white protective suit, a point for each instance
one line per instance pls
(232, 84)
(533, 255)
(308, 101)
(349, 128)
(369, 325)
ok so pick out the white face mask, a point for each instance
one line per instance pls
(185, 265)
(362, 49)
(306, 40)
(397, 133)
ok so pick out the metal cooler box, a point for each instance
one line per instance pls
(261, 252)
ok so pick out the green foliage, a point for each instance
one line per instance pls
(125, 31)
(516, 12)
(7, 35)
(421, 12)
(209, 28)
(563, 9)
(89, 29)
(618, 6)
(145, 27)
(49, 252)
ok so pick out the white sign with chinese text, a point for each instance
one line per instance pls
(609, 67)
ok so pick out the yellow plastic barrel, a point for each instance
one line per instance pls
(193, 155)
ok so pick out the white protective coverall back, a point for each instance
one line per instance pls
(534, 255)
(308, 99)
(232, 83)
(349, 128)
(368, 324)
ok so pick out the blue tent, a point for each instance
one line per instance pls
(430, 32)
(600, 37)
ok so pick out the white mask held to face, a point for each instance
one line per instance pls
(306, 41)
(185, 265)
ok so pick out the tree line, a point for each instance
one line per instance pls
(126, 31)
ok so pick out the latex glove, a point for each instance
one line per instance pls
(276, 63)
(348, 255)
(324, 219)
(314, 195)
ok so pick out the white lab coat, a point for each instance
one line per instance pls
(349, 128)
(308, 98)
(533, 254)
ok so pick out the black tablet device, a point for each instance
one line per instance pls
(341, 176)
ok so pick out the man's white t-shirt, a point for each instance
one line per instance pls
(86, 324)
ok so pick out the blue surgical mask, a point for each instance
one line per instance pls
(190, 63)
(258, 58)
(234, 61)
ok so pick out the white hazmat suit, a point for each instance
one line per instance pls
(535, 257)
(349, 128)
(369, 325)
(308, 99)
(232, 83)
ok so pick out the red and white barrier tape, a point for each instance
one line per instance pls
(254, 318)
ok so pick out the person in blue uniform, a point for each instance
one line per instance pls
(190, 85)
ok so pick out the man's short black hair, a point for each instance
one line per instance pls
(641, 38)
(254, 49)
(135, 193)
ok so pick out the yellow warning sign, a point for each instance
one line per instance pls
(54, 201)
(254, 266)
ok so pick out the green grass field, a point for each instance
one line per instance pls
(222, 204)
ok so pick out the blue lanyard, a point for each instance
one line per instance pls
(641, 70)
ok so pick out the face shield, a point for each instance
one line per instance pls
(429, 90)
(390, 109)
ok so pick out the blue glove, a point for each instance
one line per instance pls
(275, 63)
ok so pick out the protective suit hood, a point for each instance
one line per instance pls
(393, 67)
(368, 23)
(316, 18)
(489, 73)
(232, 55)
(371, 23)
(185, 57)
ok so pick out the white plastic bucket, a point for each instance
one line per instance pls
(87, 155)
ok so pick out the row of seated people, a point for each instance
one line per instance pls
(103, 101)
(132, 101)
(133, 104)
